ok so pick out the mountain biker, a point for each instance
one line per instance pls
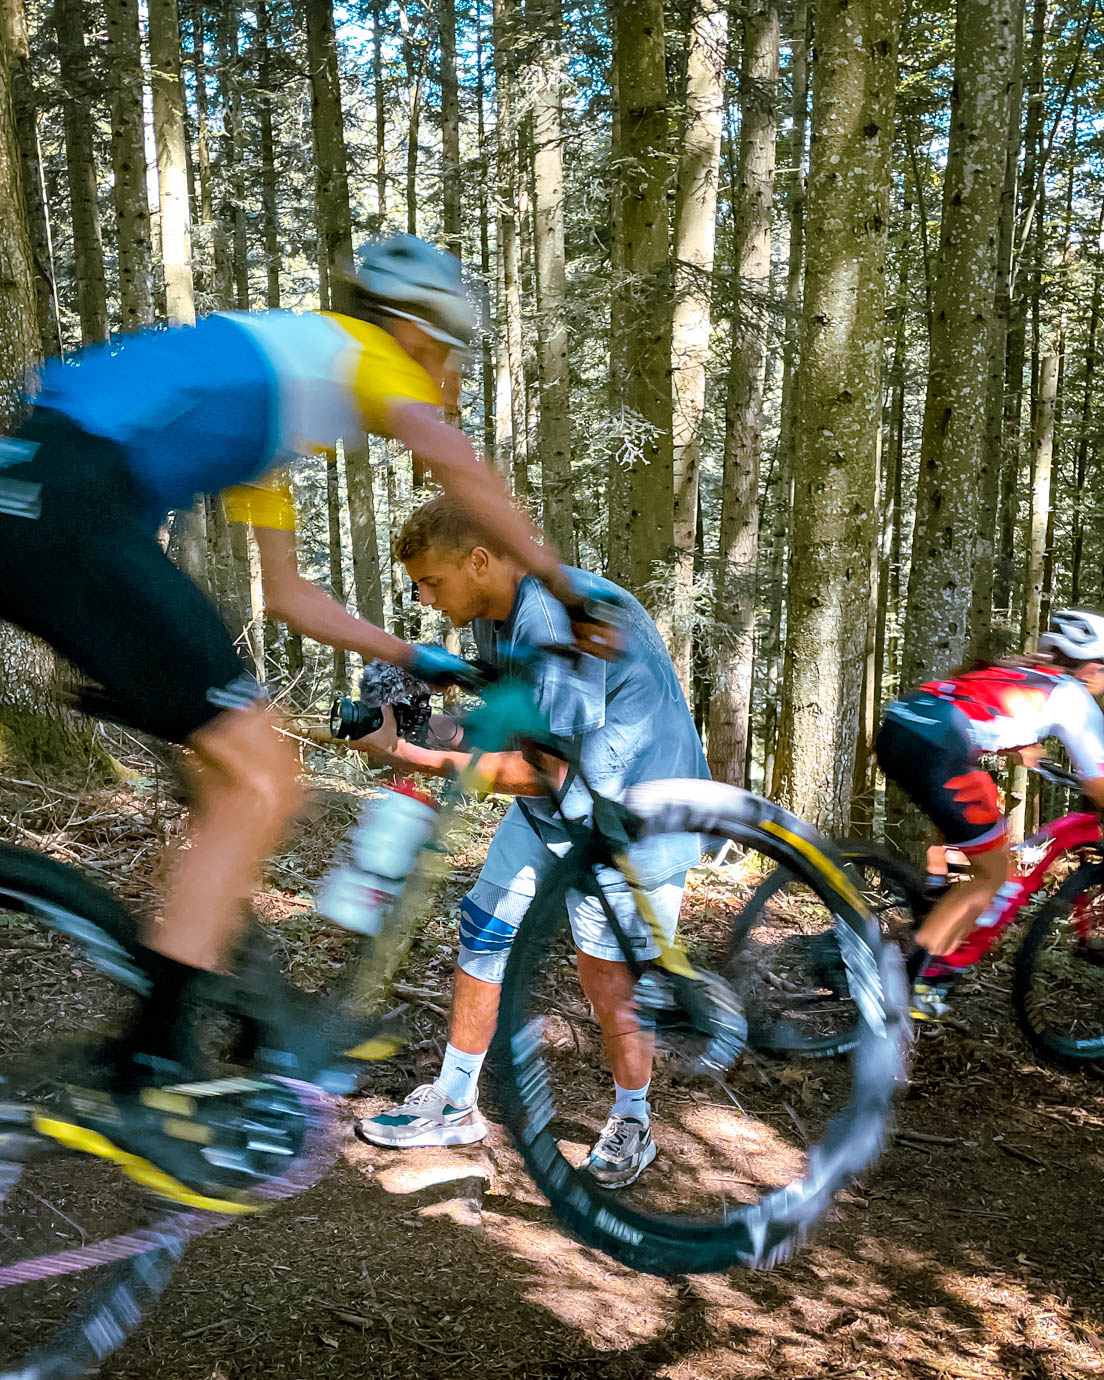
(630, 723)
(930, 743)
(135, 428)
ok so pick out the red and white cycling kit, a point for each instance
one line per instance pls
(931, 741)
(1011, 707)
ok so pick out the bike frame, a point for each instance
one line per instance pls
(1066, 834)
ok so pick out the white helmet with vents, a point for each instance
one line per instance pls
(1075, 633)
(404, 276)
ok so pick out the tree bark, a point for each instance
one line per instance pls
(937, 622)
(232, 210)
(1013, 446)
(25, 103)
(1081, 465)
(359, 482)
(79, 119)
(554, 374)
(854, 76)
(694, 242)
(642, 187)
(328, 134)
(172, 167)
(734, 612)
(801, 40)
(134, 241)
(487, 343)
(380, 99)
(512, 426)
(992, 455)
(270, 216)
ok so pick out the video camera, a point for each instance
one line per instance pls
(382, 684)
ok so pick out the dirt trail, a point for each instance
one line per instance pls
(974, 1250)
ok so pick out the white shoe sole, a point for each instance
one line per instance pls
(632, 1175)
(431, 1138)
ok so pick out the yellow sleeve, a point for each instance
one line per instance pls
(266, 504)
(385, 375)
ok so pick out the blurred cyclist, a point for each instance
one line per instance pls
(930, 743)
(118, 438)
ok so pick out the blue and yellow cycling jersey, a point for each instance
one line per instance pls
(198, 409)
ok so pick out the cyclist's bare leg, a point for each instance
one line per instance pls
(610, 989)
(953, 916)
(244, 777)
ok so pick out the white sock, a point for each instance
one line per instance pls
(459, 1076)
(632, 1102)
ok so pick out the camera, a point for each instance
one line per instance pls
(383, 684)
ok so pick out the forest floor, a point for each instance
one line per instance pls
(973, 1250)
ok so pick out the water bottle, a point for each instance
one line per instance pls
(386, 839)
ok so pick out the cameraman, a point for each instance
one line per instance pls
(630, 723)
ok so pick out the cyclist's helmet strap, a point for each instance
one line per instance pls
(1077, 633)
(404, 277)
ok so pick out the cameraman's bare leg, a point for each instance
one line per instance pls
(610, 987)
(244, 778)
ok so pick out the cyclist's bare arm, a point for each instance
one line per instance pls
(453, 462)
(1094, 789)
(308, 610)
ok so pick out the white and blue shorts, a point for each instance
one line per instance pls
(516, 861)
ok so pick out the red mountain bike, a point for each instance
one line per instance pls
(1058, 976)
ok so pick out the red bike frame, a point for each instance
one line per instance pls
(1062, 835)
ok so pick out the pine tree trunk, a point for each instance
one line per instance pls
(337, 576)
(487, 343)
(854, 75)
(992, 456)
(414, 55)
(643, 178)
(380, 100)
(545, 94)
(800, 41)
(1081, 468)
(1042, 458)
(734, 610)
(694, 240)
(1005, 573)
(232, 211)
(937, 623)
(450, 131)
(206, 261)
(270, 217)
(505, 31)
(189, 546)
(25, 104)
(134, 241)
(20, 344)
(76, 82)
(172, 167)
(617, 556)
(328, 134)
(359, 484)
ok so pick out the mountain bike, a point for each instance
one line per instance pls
(752, 1151)
(1058, 974)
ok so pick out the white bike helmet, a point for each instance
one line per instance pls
(404, 276)
(1076, 633)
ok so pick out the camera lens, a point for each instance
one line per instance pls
(351, 719)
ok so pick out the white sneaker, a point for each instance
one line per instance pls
(621, 1153)
(427, 1117)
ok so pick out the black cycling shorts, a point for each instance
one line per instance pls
(924, 746)
(81, 567)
